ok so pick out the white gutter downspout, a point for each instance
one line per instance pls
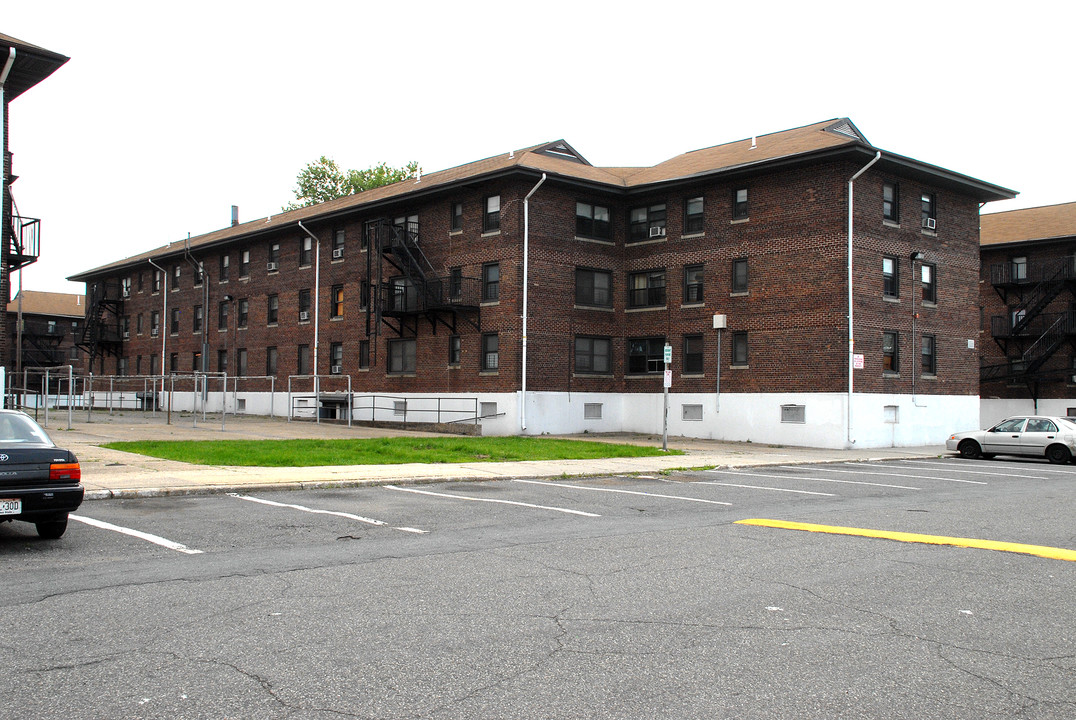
(163, 322)
(851, 334)
(317, 317)
(526, 273)
(3, 188)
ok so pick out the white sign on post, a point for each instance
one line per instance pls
(668, 378)
(668, 353)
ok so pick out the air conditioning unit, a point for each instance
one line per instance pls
(338, 253)
(930, 223)
(657, 232)
(304, 315)
(271, 267)
(154, 332)
(336, 369)
(126, 334)
(127, 292)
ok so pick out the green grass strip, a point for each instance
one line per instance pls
(381, 451)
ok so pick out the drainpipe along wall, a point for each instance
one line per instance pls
(526, 272)
(851, 326)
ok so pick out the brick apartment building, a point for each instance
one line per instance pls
(1028, 300)
(22, 66)
(49, 332)
(419, 290)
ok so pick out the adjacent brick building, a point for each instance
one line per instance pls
(22, 66)
(51, 326)
(1028, 301)
(418, 291)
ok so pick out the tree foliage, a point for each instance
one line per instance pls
(323, 180)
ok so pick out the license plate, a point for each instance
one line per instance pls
(10, 507)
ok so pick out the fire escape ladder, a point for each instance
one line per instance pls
(22, 238)
(1034, 301)
(1051, 340)
(101, 331)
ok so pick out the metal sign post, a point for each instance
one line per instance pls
(667, 383)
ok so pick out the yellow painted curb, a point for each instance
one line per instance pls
(1039, 550)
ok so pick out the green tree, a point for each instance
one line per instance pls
(323, 180)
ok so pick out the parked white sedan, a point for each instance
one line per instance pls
(1036, 435)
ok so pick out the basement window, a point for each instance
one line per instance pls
(691, 412)
(794, 414)
(592, 411)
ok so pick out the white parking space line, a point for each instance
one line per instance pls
(303, 508)
(155, 539)
(893, 474)
(812, 479)
(490, 500)
(624, 492)
(763, 487)
(998, 469)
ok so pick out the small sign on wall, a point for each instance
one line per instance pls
(857, 361)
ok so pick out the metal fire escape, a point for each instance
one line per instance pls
(1028, 336)
(104, 311)
(23, 238)
(414, 290)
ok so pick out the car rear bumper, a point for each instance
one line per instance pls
(41, 503)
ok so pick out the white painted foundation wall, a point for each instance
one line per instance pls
(993, 410)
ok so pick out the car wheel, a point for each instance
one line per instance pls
(1058, 454)
(52, 529)
(969, 449)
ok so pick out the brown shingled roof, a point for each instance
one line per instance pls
(49, 303)
(1038, 223)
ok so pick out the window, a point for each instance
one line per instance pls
(364, 354)
(455, 217)
(793, 413)
(174, 329)
(739, 349)
(176, 271)
(930, 287)
(241, 361)
(592, 287)
(336, 304)
(196, 361)
(740, 210)
(224, 267)
(244, 313)
(152, 363)
(453, 349)
(404, 294)
(156, 281)
(338, 243)
(244, 263)
(646, 355)
(222, 315)
(691, 412)
(196, 320)
(274, 257)
(302, 360)
(121, 366)
(592, 221)
(222, 361)
(592, 355)
(891, 202)
(646, 222)
(125, 287)
(646, 289)
(890, 277)
(407, 226)
(402, 355)
(199, 276)
(490, 351)
(155, 323)
(692, 355)
(173, 362)
(364, 294)
(138, 326)
(693, 284)
(369, 234)
(491, 282)
(929, 355)
(304, 305)
(491, 218)
(890, 353)
(929, 212)
(125, 326)
(336, 358)
(739, 275)
(455, 284)
(592, 411)
(1018, 269)
(306, 251)
(272, 309)
(693, 220)
(141, 281)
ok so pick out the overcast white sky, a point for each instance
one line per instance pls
(168, 114)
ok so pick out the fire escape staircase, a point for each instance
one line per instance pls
(23, 239)
(101, 331)
(419, 291)
(41, 342)
(1029, 337)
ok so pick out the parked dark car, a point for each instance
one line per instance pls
(39, 482)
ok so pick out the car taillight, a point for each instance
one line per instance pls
(65, 471)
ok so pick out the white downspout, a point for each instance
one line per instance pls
(163, 324)
(317, 317)
(526, 273)
(851, 334)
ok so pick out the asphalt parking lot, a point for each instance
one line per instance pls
(612, 596)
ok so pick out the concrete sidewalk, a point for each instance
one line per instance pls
(112, 473)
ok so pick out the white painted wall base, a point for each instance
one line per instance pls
(992, 410)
